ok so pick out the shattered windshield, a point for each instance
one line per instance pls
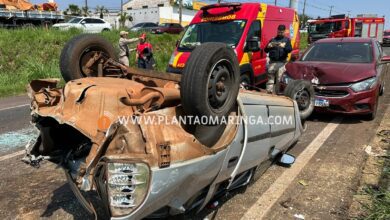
(358, 52)
(228, 32)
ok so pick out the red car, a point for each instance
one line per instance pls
(347, 75)
(170, 28)
(386, 38)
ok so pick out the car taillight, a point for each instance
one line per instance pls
(127, 185)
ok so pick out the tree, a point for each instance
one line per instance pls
(101, 10)
(303, 19)
(73, 10)
(85, 11)
(123, 17)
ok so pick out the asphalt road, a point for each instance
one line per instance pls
(321, 189)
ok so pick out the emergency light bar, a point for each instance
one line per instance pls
(233, 5)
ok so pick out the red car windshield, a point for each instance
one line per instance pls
(228, 32)
(356, 52)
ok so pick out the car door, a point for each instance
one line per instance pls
(89, 25)
(178, 28)
(381, 69)
(257, 59)
(99, 25)
(150, 26)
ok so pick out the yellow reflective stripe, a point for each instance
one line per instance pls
(245, 58)
(261, 15)
(178, 55)
(295, 24)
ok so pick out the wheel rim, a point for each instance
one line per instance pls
(85, 56)
(303, 99)
(220, 83)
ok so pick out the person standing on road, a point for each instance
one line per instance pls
(278, 49)
(144, 53)
(124, 51)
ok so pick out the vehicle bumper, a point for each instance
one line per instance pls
(353, 103)
(386, 41)
(163, 188)
(171, 69)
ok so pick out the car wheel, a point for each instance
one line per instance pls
(245, 80)
(303, 93)
(372, 115)
(105, 30)
(78, 51)
(210, 81)
(383, 87)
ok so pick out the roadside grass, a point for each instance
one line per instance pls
(379, 209)
(303, 43)
(27, 54)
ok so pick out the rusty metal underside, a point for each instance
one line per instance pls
(92, 107)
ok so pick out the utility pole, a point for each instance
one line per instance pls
(294, 4)
(180, 11)
(86, 4)
(121, 7)
(276, 2)
(331, 9)
(303, 14)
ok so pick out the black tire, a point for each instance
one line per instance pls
(371, 116)
(303, 92)
(383, 88)
(210, 81)
(105, 30)
(245, 80)
(78, 51)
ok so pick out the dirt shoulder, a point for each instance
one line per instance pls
(372, 200)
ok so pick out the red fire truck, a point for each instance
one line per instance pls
(238, 25)
(342, 26)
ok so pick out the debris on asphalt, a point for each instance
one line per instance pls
(299, 216)
(368, 149)
(303, 182)
(385, 136)
(286, 203)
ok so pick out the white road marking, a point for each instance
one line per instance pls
(269, 198)
(9, 156)
(18, 106)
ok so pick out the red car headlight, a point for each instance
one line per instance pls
(364, 85)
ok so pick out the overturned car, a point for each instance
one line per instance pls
(138, 137)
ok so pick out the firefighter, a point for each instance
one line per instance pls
(124, 51)
(144, 55)
(278, 49)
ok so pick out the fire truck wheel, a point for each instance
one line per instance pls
(303, 93)
(245, 80)
(78, 51)
(210, 81)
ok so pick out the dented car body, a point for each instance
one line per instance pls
(96, 129)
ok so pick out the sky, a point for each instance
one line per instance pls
(314, 8)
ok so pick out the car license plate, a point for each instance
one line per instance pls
(321, 103)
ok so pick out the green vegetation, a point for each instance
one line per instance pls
(380, 195)
(27, 54)
(303, 42)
